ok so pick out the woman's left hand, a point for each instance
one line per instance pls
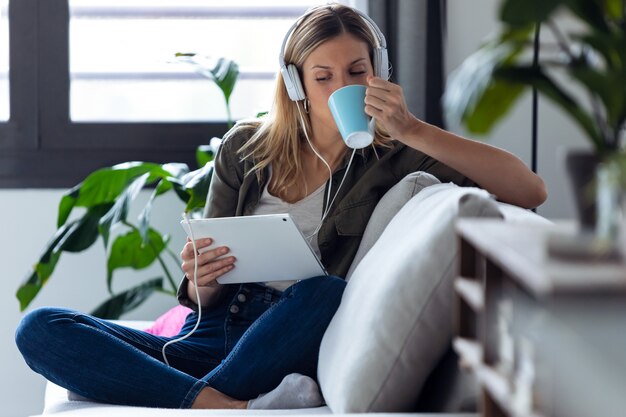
(385, 102)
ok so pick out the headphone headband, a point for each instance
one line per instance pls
(290, 74)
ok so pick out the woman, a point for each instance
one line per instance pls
(250, 336)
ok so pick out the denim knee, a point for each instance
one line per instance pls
(324, 290)
(329, 283)
(35, 327)
(28, 324)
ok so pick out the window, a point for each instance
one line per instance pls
(92, 82)
(122, 53)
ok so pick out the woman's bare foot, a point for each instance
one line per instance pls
(210, 398)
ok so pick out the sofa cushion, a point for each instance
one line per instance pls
(169, 323)
(57, 404)
(387, 207)
(394, 323)
(514, 214)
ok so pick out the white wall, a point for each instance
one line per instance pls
(27, 219)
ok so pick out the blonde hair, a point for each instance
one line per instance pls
(279, 138)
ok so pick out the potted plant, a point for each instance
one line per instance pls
(591, 58)
(101, 202)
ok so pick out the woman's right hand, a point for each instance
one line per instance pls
(211, 264)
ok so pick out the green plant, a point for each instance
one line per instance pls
(101, 203)
(592, 58)
(224, 72)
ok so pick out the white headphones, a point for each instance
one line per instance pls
(290, 72)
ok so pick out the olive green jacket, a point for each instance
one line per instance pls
(232, 193)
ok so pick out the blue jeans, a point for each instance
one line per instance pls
(243, 347)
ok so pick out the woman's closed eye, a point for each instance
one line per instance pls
(352, 74)
(323, 76)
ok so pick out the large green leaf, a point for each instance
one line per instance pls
(105, 185)
(615, 9)
(128, 300)
(177, 171)
(129, 250)
(119, 211)
(145, 215)
(66, 205)
(468, 84)
(84, 232)
(74, 236)
(611, 47)
(107, 194)
(35, 280)
(592, 12)
(43, 270)
(495, 102)
(524, 12)
(486, 85)
(26, 293)
(529, 75)
(606, 86)
(204, 155)
(224, 72)
(196, 184)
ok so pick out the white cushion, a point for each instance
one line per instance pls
(387, 207)
(514, 214)
(57, 404)
(395, 318)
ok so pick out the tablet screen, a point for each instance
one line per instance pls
(268, 247)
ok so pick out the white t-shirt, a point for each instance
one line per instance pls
(306, 214)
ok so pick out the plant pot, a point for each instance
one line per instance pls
(581, 167)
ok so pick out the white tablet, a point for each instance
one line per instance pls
(267, 247)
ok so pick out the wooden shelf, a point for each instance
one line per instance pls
(500, 391)
(470, 355)
(471, 291)
(516, 304)
(470, 352)
(520, 250)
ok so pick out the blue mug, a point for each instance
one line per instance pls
(347, 106)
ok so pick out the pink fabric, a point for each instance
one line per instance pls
(170, 323)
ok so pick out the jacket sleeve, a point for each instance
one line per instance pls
(227, 178)
(410, 160)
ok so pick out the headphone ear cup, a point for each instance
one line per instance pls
(288, 83)
(294, 76)
(381, 63)
(291, 78)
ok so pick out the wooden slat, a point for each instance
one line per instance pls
(471, 291)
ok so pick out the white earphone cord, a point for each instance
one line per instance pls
(317, 229)
(195, 284)
(330, 175)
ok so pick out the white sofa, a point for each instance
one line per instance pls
(388, 347)
(58, 405)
